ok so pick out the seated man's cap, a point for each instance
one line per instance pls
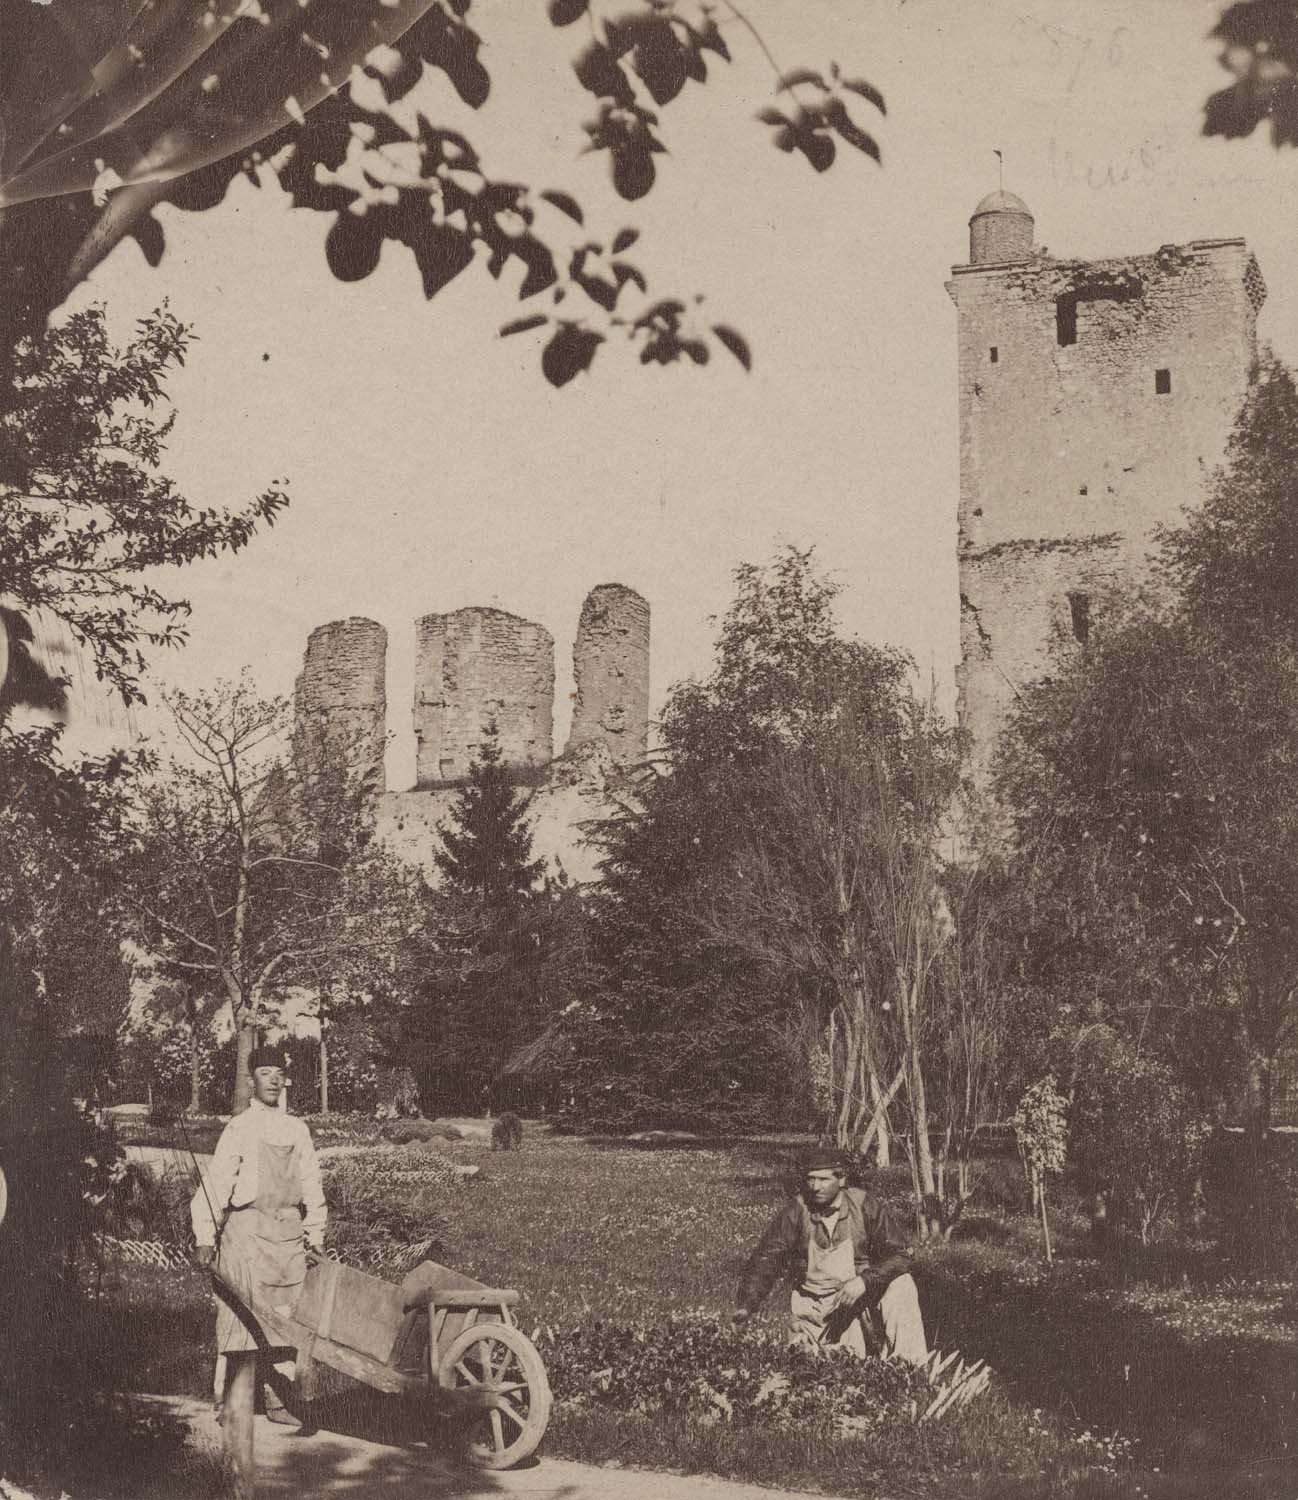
(823, 1159)
(266, 1057)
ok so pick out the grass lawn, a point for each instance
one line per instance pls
(1104, 1375)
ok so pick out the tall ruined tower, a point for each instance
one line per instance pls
(1096, 400)
(340, 700)
(473, 666)
(610, 661)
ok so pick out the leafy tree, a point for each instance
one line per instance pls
(109, 110)
(86, 518)
(249, 881)
(203, 890)
(1153, 787)
(351, 916)
(1041, 1129)
(731, 929)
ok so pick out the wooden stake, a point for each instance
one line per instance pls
(240, 1399)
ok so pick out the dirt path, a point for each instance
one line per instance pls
(352, 1468)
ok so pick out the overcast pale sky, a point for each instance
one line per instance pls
(430, 464)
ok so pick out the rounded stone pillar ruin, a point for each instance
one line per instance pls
(610, 659)
(340, 700)
(473, 666)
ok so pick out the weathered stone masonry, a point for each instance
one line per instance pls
(1095, 400)
(340, 697)
(473, 666)
(610, 659)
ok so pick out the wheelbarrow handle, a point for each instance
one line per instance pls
(485, 1296)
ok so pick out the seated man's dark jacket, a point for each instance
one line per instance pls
(877, 1248)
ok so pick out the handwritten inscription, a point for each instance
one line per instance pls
(1071, 54)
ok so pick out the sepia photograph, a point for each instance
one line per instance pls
(649, 749)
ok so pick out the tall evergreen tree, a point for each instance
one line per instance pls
(481, 998)
(486, 853)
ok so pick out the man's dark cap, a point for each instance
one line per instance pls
(266, 1057)
(823, 1159)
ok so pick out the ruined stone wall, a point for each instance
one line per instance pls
(610, 658)
(340, 697)
(1096, 399)
(472, 666)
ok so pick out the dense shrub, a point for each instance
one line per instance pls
(694, 1365)
(1135, 1136)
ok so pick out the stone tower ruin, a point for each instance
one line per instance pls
(472, 666)
(340, 698)
(610, 659)
(1096, 399)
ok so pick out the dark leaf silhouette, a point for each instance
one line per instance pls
(441, 254)
(599, 73)
(837, 115)
(524, 325)
(710, 38)
(568, 353)
(625, 272)
(624, 239)
(147, 234)
(1260, 47)
(353, 246)
(806, 132)
(627, 135)
(447, 42)
(565, 203)
(633, 170)
(657, 57)
(737, 345)
(565, 12)
(541, 271)
(865, 90)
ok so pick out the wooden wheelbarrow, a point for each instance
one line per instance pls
(438, 1332)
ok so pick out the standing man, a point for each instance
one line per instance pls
(257, 1212)
(849, 1268)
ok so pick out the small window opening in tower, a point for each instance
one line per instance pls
(1080, 606)
(994, 354)
(1083, 490)
(1162, 382)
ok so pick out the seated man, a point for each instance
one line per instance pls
(849, 1269)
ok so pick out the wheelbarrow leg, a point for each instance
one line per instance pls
(236, 1423)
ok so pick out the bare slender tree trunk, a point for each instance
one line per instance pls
(921, 1149)
(324, 1068)
(195, 1056)
(1045, 1221)
(883, 1138)
(246, 1040)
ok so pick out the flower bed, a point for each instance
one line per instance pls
(693, 1365)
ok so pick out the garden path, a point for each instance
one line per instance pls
(346, 1467)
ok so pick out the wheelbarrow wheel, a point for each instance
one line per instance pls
(493, 1372)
